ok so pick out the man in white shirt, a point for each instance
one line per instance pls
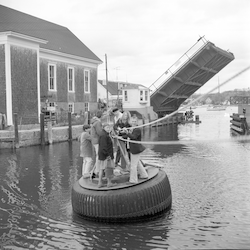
(117, 114)
(117, 152)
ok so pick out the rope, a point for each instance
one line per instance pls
(198, 98)
(241, 138)
(180, 109)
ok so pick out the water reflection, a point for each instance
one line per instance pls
(209, 181)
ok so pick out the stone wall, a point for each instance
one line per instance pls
(33, 136)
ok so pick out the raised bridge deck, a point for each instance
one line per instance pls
(190, 72)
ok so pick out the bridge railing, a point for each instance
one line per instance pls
(187, 56)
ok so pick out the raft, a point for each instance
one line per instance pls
(125, 201)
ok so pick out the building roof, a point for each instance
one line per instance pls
(59, 38)
(113, 86)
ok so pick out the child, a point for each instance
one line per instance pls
(86, 151)
(106, 156)
(135, 152)
(123, 122)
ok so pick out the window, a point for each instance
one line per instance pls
(146, 95)
(71, 80)
(71, 107)
(86, 81)
(52, 77)
(86, 106)
(51, 106)
(143, 95)
(125, 95)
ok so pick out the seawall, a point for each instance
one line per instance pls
(32, 137)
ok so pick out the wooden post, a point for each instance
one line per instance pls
(88, 117)
(42, 129)
(50, 133)
(16, 130)
(70, 126)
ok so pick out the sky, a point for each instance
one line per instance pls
(143, 38)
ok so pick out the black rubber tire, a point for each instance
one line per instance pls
(146, 199)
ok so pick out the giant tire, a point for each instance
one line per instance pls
(134, 202)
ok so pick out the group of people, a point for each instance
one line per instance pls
(189, 115)
(98, 142)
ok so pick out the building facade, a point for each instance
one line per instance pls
(43, 66)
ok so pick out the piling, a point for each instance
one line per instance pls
(70, 126)
(42, 129)
(16, 130)
(50, 134)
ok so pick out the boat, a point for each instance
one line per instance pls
(124, 201)
(217, 108)
(220, 106)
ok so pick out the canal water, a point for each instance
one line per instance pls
(209, 173)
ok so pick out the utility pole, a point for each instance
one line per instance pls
(107, 81)
(118, 89)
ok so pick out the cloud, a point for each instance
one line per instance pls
(144, 38)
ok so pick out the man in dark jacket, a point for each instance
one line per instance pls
(106, 156)
(96, 131)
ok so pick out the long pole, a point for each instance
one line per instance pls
(107, 80)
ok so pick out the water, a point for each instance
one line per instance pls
(209, 172)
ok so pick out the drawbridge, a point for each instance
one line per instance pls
(190, 72)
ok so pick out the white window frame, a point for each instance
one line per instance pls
(143, 95)
(73, 79)
(86, 72)
(146, 95)
(54, 77)
(71, 107)
(125, 95)
(86, 106)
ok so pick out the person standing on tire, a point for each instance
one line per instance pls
(135, 153)
(106, 156)
(86, 151)
(123, 122)
(96, 131)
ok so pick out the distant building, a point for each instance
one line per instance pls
(129, 96)
(114, 93)
(43, 64)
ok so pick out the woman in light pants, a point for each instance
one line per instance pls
(137, 169)
(87, 166)
(135, 153)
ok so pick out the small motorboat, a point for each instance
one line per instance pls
(216, 108)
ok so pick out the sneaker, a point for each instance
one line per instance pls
(131, 183)
(100, 185)
(85, 176)
(111, 185)
(140, 177)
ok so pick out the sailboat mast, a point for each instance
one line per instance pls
(107, 81)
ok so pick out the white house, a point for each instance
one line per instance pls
(136, 97)
(127, 96)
